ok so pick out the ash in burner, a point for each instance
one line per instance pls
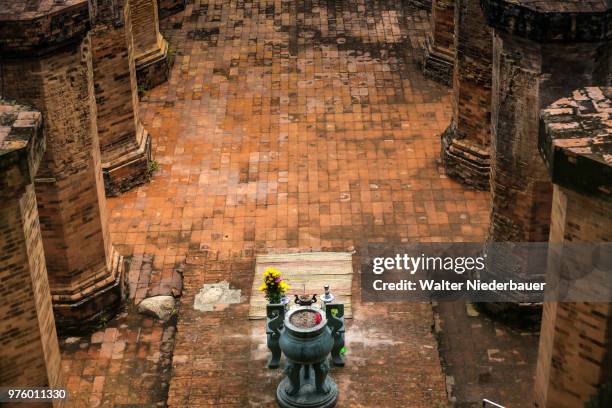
(305, 319)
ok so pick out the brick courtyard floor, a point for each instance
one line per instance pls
(486, 358)
(286, 125)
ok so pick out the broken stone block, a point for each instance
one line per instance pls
(161, 307)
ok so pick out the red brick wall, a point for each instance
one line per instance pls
(40, 289)
(440, 42)
(115, 87)
(574, 340)
(23, 360)
(527, 76)
(69, 185)
(145, 26)
(465, 143)
(472, 75)
(443, 26)
(29, 352)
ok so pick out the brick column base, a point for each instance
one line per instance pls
(436, 65)
(439, 56)
(125, 146)
(153, 68)
(95, 302)
(30, 355)
(129, 170)
(150, 47)
(465, 160)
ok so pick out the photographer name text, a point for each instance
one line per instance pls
(468, 285)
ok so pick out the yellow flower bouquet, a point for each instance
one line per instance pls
(274, 286)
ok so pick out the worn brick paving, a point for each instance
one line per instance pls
(487, 358)
(286, 125)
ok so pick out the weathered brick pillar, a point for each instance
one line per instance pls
(440, 43)
(574, 359)
(125, 145)
(169, 7)
(150, 48)
(46, 62)
(29, 352)
(465, 144)
(541, 52)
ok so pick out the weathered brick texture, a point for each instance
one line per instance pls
(575, 346)
(575, 140)
(105, 11)
(573, 339)
(465, 144)
(125, 145)
(440, 43)
(29, 352)
(85, 272)
(150, 48)
(527, 76)
(33, 27)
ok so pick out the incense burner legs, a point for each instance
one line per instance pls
(306, 340)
